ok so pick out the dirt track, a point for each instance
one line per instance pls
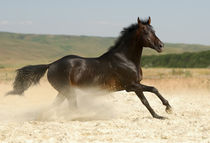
(117, 117)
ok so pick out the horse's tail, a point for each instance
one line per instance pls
(27, 76)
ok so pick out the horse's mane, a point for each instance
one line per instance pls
(126, 33)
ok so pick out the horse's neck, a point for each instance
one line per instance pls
(129, 48)
(133, 53)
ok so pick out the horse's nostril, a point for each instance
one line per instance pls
(161, 44)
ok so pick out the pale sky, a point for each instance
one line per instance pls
(177, 21)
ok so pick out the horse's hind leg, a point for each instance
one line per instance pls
(58, 100)
(69, 93)
(156, 92)
(45, 113)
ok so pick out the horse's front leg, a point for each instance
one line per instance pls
(156, 92)
(137, 88)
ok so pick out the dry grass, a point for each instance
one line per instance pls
(7, 75)
(178, 79)
(167, 78)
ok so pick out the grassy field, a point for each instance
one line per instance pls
(19, 49)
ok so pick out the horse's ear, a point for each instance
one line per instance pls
(139, 22)
(149, 20)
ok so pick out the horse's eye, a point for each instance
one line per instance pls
(146, 32)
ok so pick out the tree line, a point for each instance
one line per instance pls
(184, 60)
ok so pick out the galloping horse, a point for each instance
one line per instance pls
(117, 69)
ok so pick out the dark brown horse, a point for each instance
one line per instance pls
(117, 69)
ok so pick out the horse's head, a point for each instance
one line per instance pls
(147, 35)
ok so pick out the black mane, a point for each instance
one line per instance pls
(126, 33)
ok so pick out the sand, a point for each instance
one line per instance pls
(114, 117)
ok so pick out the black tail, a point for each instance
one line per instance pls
(27, 76)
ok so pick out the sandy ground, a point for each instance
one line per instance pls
(117, 117)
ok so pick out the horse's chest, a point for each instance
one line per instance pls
(140, 74)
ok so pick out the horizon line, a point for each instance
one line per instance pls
(115, 37)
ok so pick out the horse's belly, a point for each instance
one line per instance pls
(104, 82)
(112, 84)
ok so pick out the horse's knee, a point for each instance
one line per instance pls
(154, 90)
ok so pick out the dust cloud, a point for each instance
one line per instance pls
(36, 104)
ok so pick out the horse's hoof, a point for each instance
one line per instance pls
(160, 117)
(169, 110)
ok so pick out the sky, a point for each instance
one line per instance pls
(177, 21)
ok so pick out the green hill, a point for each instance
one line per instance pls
(20, 49)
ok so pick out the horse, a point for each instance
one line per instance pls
(117, 69)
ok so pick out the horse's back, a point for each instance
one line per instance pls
(77, 71)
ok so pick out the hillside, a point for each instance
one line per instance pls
(19, 49)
